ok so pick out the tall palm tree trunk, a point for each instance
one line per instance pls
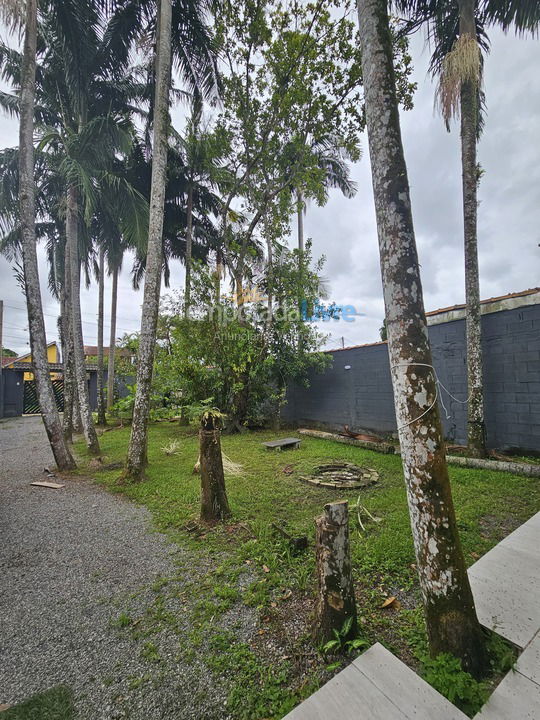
(218, 274)
(189, 250)
(112, 341)
(100, 390)
(448, 603)
(137, 452)
(72, 220)
(38, 342)
(67, 352)
(469, 134)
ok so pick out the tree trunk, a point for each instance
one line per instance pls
(270, 283)
(137, 456)
(72, 221)
(100, 390)
(335, 600)
(66, 351)
(27, 207)
(112, 341)
(451, 618)
(189, 247)
(214, 503)
(77, 421)
(300, 216)
(469, 132)
(219, 271)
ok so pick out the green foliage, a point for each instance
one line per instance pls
(123, 407)
(231, 563)
(237, 361)
(54, 704)
(446, 675)
(342, 641)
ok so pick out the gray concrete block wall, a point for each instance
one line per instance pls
(361, 396)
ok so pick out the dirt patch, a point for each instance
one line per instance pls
(497, 528)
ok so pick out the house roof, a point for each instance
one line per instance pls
(21, 358)
(92, 351)
(523, 293)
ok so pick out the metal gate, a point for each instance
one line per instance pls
(31, 402)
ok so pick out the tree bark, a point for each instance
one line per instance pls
(27, 206)
(102, 420)
(469, 133)
(112, 341)
(335, 600)
(300, 217)
(219, 271)
(67, 351)
(137, 452)
(189, 247)
(214, 503)
(451, 618)
(72, 221)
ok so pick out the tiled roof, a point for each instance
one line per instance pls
(531, 291)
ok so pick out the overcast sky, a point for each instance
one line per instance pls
(344, 230)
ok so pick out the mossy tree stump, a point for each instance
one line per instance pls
(335, 600)
(214, 503)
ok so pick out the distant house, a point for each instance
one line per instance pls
(91, 351)
(53, 356)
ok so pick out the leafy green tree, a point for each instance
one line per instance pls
(292, 81)
(458, 31)
(239, 359)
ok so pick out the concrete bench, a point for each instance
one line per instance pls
(292, 443)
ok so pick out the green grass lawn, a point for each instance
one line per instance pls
(243, 562)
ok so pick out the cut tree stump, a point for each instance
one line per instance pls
(335, 600)
(214, 503)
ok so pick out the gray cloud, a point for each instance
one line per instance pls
(344, 230)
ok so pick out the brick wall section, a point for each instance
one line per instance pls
(361, 397)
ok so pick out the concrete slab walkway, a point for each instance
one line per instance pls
(506, 585)
(506, 588)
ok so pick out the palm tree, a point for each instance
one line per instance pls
(451, 618)
(197, 65)
(137, 458)
(330, 160)
(38, 342)
(201, 156)
(102, 420)
(458, 32)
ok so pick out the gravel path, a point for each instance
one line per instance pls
(72, 561)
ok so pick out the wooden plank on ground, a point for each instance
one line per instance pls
(47, 484)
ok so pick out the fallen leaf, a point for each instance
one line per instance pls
(266, 568)
(389, 601)
(273, 604)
